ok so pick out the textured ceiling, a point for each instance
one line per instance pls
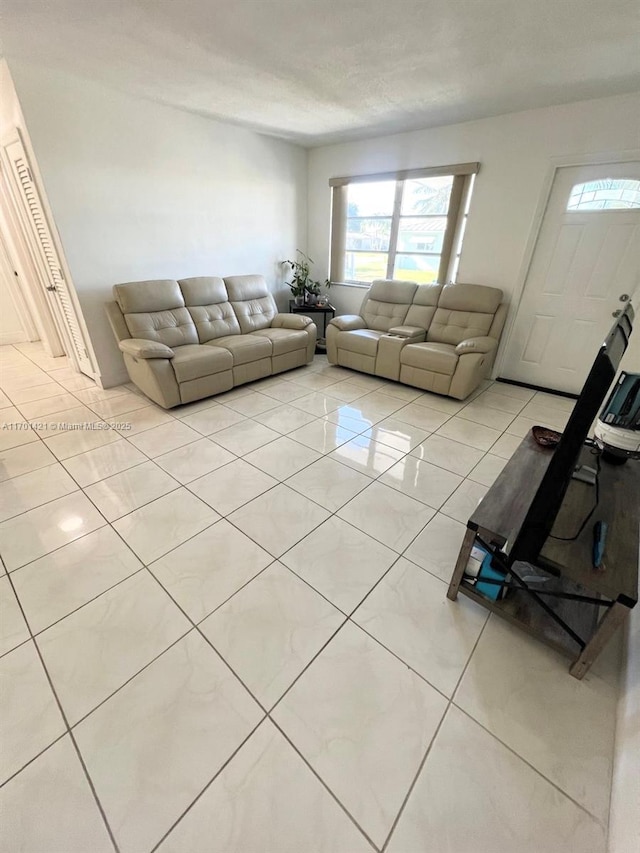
(317, 72)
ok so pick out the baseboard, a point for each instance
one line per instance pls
(111, 380)
(537, 388)
(7, 338)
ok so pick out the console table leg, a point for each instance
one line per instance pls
(608, 625)
(461, 565)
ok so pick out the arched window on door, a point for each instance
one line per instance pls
(605, 194)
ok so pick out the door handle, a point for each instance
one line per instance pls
(52, 287)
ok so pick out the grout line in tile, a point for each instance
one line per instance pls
(433, 739)
(532, 767)
(66, 722)
(35, 757)
(90, 600)
(414, 780)
(324, 784)
(207, 786)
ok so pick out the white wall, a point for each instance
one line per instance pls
(515, 153)
(11, 329)
(141, 191)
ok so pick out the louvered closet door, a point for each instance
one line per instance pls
(44, 246)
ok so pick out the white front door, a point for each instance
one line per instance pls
(586, 260)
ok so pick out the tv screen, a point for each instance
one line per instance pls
(548, 499)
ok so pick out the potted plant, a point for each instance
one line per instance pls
(303, 287)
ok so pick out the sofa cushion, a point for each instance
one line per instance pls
(208, 303)
(284, 340)
(173, 327)
(136, 297)
(197, 360)
(252, 302)
(243, 348)
(437, 358)
(363, 341)
(203, 290)
(386, 303)
(214, 321)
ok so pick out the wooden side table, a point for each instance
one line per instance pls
(564, 601)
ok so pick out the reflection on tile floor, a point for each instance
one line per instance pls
(225, 629)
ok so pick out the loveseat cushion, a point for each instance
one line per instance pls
(362, 341)
(437, 358)
(284, 340)
(252, 302)
(423, 307)
(470, 297)
(464, 311)
(243, 348)
(197, 360)
(386, 303)
(207, 301)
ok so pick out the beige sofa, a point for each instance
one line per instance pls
(185, 340)
(441, 339)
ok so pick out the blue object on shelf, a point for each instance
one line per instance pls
(599, 539)
(489, 590)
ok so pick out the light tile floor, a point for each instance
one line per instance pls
(225, 628)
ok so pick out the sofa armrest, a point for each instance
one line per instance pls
(476, 345)
(413, 333)
(291, 321)
(141, 348)
(348, 322)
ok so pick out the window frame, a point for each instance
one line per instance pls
(463, 175)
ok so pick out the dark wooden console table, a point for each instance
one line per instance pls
(575, 608)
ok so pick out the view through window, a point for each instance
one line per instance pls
(406, 228)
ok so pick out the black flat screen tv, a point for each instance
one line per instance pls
(547, 500)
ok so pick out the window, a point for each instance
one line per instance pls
(405, 225)
(605, 194)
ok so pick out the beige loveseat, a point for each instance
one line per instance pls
(441, 339)
(184, 340)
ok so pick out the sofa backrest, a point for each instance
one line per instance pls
(208, 303)
(464, 311)
(155, 311)
(252, 302)
(423, 307)
(387, 303)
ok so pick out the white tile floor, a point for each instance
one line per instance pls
(226, 629)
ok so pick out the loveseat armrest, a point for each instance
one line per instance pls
(291, 321)
(413, 333)
(476, 345)
(141, 348)
(348, 322)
